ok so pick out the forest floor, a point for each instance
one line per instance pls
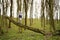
(13, 33)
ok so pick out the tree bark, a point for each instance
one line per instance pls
(26, 8)
(26, 27)
(52, 26)
(42, 14)
(10, 13)
(31, 13)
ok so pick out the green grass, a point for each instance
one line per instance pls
(13, 32)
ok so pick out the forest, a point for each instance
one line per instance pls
(29, 20)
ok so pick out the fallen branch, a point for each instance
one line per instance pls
(26, 27)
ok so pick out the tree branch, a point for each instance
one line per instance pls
(26, 27)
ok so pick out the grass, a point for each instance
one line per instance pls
(13, 32)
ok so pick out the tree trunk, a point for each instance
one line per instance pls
(52, 26)
(26, 27)
(10, 13)
(31, 13)
(42, 15)
(26, 8)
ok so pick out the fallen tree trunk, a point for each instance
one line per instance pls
(31, 28)
(26, 27)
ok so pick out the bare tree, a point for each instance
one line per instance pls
(19, 8)
(42, 14)
(10, 13)
(2, 17)
(0, 20)
(19, 3)
(52, 26)
(56, 9)
(31, 13)
(47, 11)
(26, 9)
